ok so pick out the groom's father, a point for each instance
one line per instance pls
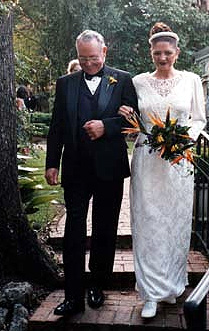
(85, 132)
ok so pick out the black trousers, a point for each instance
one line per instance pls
(107, 197)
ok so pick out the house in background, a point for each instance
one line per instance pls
(202, 59)
(202, 4)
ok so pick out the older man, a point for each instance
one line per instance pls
(85, 132)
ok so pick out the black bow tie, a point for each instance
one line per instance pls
(98, 74)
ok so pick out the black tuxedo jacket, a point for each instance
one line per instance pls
(110, 151)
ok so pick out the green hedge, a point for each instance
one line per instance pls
(40, 129)
(38, 117)
(40, 122)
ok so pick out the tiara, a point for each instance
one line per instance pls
(164, 34)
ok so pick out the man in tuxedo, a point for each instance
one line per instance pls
(85, 132)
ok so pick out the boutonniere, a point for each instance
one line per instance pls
(111, 80)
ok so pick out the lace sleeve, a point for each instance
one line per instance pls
(198, 109)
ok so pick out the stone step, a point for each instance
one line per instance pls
(123, 270)
(124, 239)
(121, 312)
(123, 242)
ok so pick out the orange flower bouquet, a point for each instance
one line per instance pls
(168, 138)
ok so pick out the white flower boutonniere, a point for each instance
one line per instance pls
(111, 80)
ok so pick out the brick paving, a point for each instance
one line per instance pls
(196, 263)
(57, 228)
(121, 310)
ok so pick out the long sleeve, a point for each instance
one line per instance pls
(198, 114)
(55, 135)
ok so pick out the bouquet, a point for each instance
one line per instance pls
(168, 138)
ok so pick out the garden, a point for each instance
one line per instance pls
(44, 42)
(37, 40)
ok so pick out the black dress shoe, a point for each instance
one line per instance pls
(69, 307)
(95, 297)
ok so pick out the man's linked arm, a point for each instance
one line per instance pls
(113, 126)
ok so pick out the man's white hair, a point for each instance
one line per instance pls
(89, 35)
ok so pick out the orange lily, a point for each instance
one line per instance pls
(162, 150)
(131, 130)
(189, 155)
(177, 159)
(133, 120)
(156, 120)
(184, 136)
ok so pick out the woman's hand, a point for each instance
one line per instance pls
(125, 111)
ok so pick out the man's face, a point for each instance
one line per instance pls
(91, 56)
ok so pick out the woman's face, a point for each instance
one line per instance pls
(76, 68)
(164, 55)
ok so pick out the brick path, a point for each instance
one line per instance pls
(196, 263)
(122, 308)
(57, 228)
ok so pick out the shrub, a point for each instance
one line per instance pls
(40, 129)
(33, 192)
(38, 117)
(40, 123)
(24, 128)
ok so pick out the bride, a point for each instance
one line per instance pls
(161, 194)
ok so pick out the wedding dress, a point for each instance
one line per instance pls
(161, 194)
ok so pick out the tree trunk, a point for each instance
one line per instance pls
(21, 254)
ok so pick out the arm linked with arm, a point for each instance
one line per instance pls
(113, 126)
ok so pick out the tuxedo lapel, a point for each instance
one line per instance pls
(106, 89)
(73, 94)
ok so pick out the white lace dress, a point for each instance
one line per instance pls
(161, 195)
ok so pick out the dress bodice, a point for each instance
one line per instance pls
(182, 94)
(163, 87)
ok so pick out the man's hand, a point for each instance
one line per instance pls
(51, 176)
(125, 111)
(94, 128)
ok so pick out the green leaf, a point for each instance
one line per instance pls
(40, 198)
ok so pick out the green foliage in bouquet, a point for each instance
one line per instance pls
(170, 139)
(167, 137)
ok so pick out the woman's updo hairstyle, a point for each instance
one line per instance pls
(162, 32)
(159, 27)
